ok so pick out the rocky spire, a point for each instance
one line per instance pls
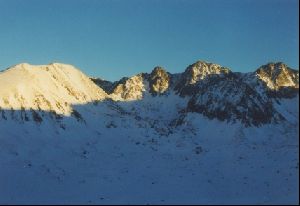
(159, 80)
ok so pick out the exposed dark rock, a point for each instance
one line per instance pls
(107, 86)
(229, 99)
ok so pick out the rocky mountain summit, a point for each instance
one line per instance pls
(278, 75)
(159, 81)
(196, 73)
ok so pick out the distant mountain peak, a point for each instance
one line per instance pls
(278, 75)
(197, 73)
(201, 70)
(159, 80)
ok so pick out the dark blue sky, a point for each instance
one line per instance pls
(116, 38)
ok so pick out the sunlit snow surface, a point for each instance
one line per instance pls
(114, 157)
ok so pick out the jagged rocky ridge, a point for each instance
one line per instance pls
(209, 89)
(217, 92)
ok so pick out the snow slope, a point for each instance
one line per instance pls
(205, 162)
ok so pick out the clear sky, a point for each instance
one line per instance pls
(115, 38)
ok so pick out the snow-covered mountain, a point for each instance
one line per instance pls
(51, 88)
(207, 135)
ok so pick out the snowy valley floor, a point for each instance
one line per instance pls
(204, 162)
